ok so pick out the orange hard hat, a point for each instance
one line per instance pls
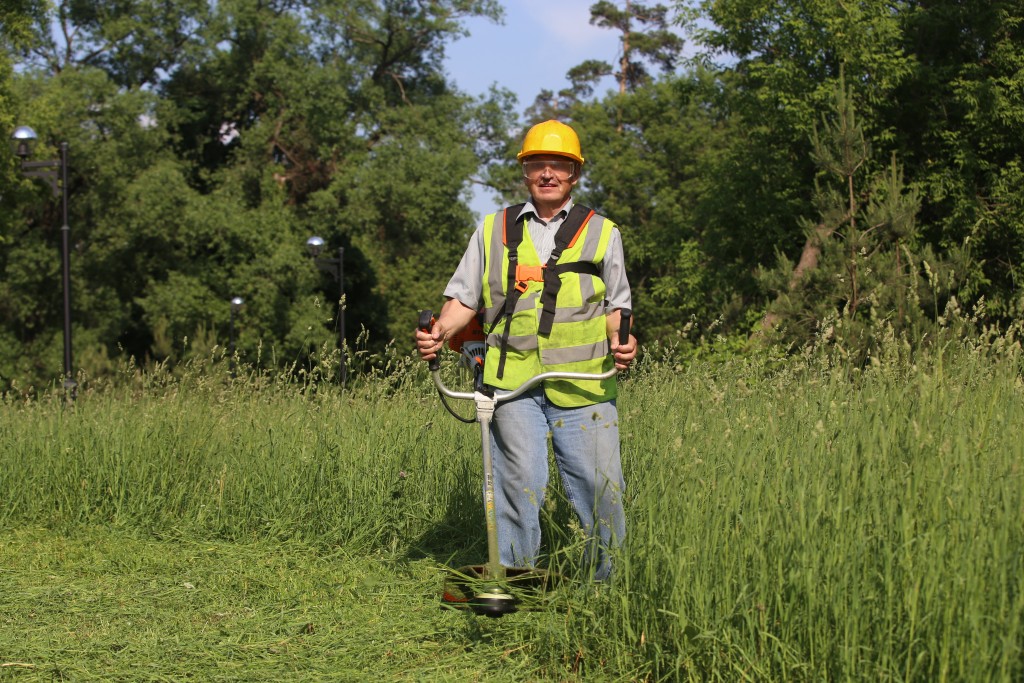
(551, 137)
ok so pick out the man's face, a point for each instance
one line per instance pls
(549, 177)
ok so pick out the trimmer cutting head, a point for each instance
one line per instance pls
(472, 588)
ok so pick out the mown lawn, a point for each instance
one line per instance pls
(100, 604)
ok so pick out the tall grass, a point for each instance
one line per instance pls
(827, 527)
(232, 459)
(795, 519)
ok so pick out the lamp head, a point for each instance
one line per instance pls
(314, 245)
(236, 303)
(21, 141)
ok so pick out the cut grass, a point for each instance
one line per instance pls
(103, 605)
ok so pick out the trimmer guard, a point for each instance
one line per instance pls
(529, 586)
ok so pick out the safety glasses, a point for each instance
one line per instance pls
(560, 169)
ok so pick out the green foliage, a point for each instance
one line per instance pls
(961, 120)
(863, 261)
(936, 86)
(646, 170)
(208, 142)
(790, 54)
(16, 19)
(788, 60)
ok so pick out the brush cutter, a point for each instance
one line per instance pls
(492, 589)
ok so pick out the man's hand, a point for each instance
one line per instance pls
(429, 343)
(454, 316)
(623, 353)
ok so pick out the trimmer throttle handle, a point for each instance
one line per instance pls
(426, 322)
(624, 315)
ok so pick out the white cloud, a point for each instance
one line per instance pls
(566, 22)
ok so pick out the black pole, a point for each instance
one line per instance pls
(65, 239)
(231, 342)
(341, 312)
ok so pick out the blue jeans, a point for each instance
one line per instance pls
(586, 446)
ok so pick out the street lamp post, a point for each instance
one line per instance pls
(236, 305)
(336, 267)
(55, 172)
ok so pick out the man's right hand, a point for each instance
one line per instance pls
(429, 343)
(454, 316)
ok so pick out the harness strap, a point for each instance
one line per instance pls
(512, 236)
(568, 232)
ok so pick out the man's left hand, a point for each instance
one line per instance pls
(623, 353)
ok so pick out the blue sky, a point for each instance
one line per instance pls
(538, 43)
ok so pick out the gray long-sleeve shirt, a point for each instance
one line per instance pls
(466, 284)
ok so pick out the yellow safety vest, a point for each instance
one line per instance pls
(578, 341)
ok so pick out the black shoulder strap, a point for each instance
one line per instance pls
(512, 230)
(566, 236)
(512, 236)
(571, 226)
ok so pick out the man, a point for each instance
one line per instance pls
(551, 280)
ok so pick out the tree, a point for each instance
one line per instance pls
(646, 154)
(937, 84)
(960, 123)
(209, 140)
(862, 269)
(136, 42)
(786, 61)
(645, 38)
(654, 42)
(789, 54)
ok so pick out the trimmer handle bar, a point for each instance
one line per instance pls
(426, 321)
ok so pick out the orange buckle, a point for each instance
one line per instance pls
(529, 273)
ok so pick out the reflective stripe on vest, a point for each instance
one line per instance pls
(579, 339)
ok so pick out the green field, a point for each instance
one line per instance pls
(789, 520)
